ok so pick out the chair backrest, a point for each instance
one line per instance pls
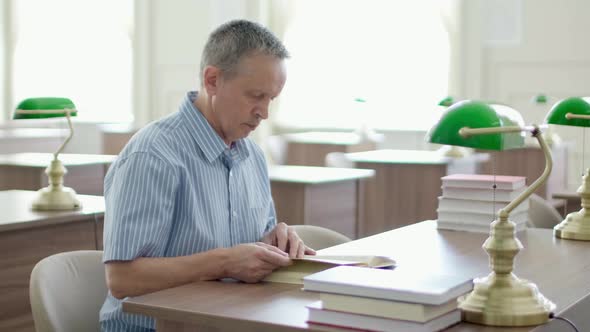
(338, 159)
(542, 214)
(319, 237)
(67, 291)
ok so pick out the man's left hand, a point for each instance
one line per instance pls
(286, 239)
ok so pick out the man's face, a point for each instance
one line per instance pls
(241, 101)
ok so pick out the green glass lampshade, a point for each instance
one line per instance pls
(447, 101)
(573, 105)
(476, 114)
(540, 99)
(44, 107)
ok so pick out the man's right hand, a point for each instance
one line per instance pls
(251, 262)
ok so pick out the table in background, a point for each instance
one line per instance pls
(311, 148)
(321, 196)
(15, 140)
(407, 185)
(572, 201)
(28, 236)
(530, 163)
(418, 248)
(26, 171)
(115, 137)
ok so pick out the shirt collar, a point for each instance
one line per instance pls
(206, 137)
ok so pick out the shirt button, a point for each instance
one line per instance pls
(230, 173)
(235, 214)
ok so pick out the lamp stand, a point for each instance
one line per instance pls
(576, 225)
(56, 197)
(501, 298)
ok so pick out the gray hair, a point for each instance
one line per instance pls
(235, 39)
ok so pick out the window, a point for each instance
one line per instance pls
(81, 50)
(393, 54)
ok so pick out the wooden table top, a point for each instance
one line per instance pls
(43, 159)
(315, 175)
(560, 268)
(17, 213)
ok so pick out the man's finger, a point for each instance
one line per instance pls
(274, 258)
(282, 236)
(309, 251)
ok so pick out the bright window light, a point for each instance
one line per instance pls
(393, 54)
(81, 50)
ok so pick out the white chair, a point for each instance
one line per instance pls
(338, 159)
(542, 214)
(319, 237)
(67, 291)
(276, 146)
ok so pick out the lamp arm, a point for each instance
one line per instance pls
(548, 166)
(570, 116)
(63, 145)
(466, 131)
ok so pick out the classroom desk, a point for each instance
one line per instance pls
(26, 171)
(419, 248)
(28, 236)
(311, 148)
(406, 186)
(115, 137)
(14, 140)
(322, 196)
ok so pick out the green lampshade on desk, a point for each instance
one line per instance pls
(501, 298)
(55, 196)
(574, 111)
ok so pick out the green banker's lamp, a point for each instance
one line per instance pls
(452, 151)
(574, 111)
(501, 298)
(55, 196)
(551, 137)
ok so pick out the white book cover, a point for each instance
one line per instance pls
(318, 315)
(462, 205)
(473, 228)
(479, 218)
(395, 285)
(479, 194)
(503, 182)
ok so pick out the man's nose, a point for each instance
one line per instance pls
(262, 111)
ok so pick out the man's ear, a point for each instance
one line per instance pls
(211, 76)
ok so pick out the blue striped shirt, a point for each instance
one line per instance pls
(178, 189)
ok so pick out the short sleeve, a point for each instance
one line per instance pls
(272, 217)
(140, 193)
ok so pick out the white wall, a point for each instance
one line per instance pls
(528, 47)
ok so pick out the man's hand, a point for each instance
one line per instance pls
(287, 240)
(251, 262)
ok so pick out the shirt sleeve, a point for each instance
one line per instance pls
(272, 217)
(139, 198)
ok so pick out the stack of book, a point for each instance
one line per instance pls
(470, 203)
(385, 300)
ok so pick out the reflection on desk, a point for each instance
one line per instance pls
(417, 248)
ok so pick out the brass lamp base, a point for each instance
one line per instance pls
(56, 200)
(505, 301)
(575, 226)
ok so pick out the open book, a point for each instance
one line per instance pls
(307, 265)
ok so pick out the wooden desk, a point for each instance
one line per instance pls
(407, 184)
(14, 140)
(222, 306)
(115, 137)
(26, 171)
(321, 196)
(530, 163)
(28, 236)
(572, 201)
(311, 148)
